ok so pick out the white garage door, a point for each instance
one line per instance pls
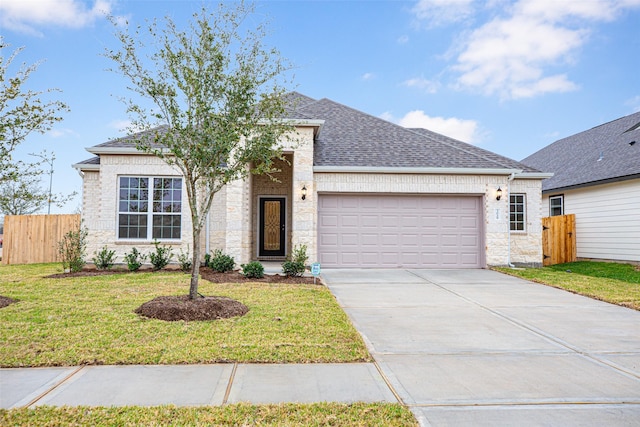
(391, 231)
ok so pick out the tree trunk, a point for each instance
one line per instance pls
(195, 264)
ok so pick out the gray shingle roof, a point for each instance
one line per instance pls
(129, 141)
(91, 161)
(603, 153)
(351, 138)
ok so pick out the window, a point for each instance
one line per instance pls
(516, 212)
(556, 205)
(136, 195)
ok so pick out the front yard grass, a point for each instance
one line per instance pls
(605, 281)
(90, 320)
(321, 414)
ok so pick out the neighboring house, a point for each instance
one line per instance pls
(357, 190)
(597, 178)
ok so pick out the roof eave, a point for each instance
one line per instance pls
(418, 170)
(97, 150)
(591, 184)
(85, 167)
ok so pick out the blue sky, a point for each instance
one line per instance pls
(508, 76)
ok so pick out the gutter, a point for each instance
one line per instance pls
(418, 170)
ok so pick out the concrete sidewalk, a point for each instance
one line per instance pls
(192, 385)
(476, 347)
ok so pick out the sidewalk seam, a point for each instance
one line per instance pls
(64, 380)
(230, 384)
(388, 383)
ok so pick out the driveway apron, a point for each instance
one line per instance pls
(477, 347)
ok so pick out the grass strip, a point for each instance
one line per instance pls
(610, 282)
(90, 320)
(321, 414)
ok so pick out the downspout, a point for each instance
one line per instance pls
(511, 178)
(207, 245)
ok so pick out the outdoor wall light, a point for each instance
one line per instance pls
(499, 193)
(304, 192)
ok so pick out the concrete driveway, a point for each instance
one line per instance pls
(476, 347)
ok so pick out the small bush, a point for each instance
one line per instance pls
(72, 249)
(207, 260)
(221, 262)
(134, 259)
(295, 265)
(253, 270)
(104, 259)
(185, 261)
(161, 257)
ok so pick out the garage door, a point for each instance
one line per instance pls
(391, 231)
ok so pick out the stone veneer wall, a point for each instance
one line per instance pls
(525, 247)
(240, 200)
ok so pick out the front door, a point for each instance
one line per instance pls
(272, 227)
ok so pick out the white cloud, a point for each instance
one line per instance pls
(634, 103)
(367, 76)
(60, 133)
(518, 52)
(460, 129)
(26, 15)
(440, 12)
(428, 86)
(403, 39)
(122, 125)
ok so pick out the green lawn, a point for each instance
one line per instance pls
(610, 282)
(322, 414)
(90, 320)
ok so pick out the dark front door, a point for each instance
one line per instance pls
(272, 226)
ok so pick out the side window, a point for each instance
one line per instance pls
(517, 210)
(556, 205)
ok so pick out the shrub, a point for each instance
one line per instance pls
(221, 262)
(104, 259)
(295, 265)
(134, 260)
(207, 260)
(253, 270)
(185, 260)
(161, 257)
(72, 249)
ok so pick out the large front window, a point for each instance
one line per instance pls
(517, 212)
(149, 208)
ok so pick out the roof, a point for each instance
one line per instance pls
(350, 138)
(606, 153)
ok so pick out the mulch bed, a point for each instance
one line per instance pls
(205, 272)
(5, 301)
(172, 308)
(237, 277)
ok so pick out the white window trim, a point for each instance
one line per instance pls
(149, 212)
(561, 198)
(524, 213)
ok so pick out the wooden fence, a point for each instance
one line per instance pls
(558, 239)
(32, 239)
